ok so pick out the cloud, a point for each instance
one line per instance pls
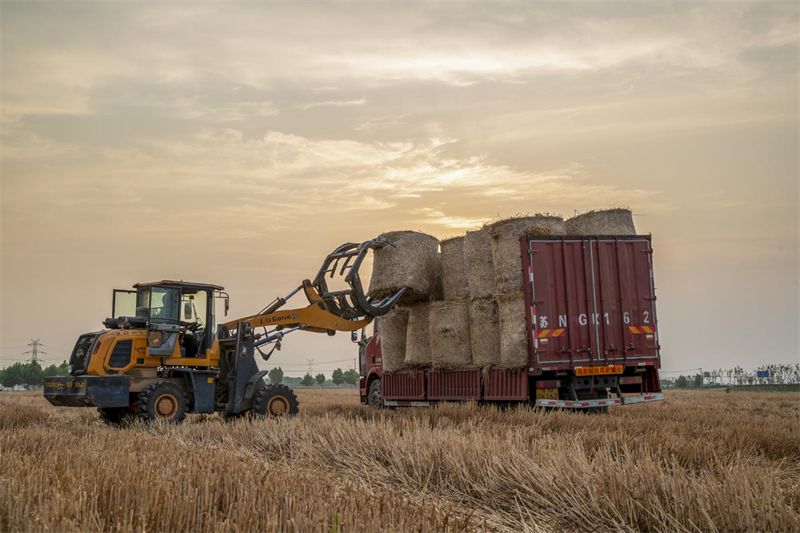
(333, 103)
(460, 224)
(193, 108)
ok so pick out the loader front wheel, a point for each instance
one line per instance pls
(276, 400)
(163, 401)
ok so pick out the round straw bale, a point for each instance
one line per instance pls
(506, 250)
(394, 326)
(478, 263)
(418, 346)
(602, 222)
(484, 331)
(513, 329)
(415, 264)
(454, 280)
(449, 334)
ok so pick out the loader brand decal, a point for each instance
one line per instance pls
(545, 333)
(288, 316)
(639, 330)
(127, 332)
(598, 370)
(64, 385)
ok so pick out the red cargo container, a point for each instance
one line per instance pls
(592, 334)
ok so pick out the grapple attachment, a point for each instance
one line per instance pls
(350, 303)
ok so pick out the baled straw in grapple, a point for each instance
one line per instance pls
(603, 222)
(484, 331)
(394, 326)
(478, 263)
(449, 334)
(418, 347)
(454, 279)
(507, 250)
(414, 264)
(513, 329)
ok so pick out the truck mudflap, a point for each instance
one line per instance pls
(605, 402)
(87, 391)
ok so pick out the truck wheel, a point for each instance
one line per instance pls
(374, 397)
(162, 400)
(115, 415)
(276, 400)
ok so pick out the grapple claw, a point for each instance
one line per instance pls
(351, 303)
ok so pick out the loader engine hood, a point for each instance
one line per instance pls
(81, 353)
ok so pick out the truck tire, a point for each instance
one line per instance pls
(374, 397)
(163, 400)
(276, 400)
(115, 415)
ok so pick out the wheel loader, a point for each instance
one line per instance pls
(162, 354)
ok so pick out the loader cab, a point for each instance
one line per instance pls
(179, 316)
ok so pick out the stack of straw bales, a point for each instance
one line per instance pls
(414, 263)
(464, 306)
(606, 222)
(449, 334)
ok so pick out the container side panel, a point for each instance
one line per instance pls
(403, 386)
(460, 384)
(505, 385)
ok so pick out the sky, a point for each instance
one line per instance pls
(239, 143)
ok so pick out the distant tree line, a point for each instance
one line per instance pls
(774, 375)
(29, 373)
(338, 377)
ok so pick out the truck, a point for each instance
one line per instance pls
(592, 329)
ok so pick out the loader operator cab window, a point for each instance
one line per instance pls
(179, 315)
(196, 315)
(164, 305)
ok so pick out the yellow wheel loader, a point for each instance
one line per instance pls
(162, 353)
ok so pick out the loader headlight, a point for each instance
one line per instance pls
(70, 368)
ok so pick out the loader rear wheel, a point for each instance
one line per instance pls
(276, 400)
(163, 401)
(115, 415)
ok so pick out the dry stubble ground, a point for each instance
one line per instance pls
(701, 461)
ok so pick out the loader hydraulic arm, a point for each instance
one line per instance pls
(328, 311)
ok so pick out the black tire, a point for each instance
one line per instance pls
(115, 415)
(163, 401)
(275, 400)
(374, 396)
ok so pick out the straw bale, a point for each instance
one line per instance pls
(478, 263)
(415, 264)
(513, 329)
(454, 279)
(394, 326)
(506, 251)
(484, 331)
(449, 334)
(418, 346)
(603, 222)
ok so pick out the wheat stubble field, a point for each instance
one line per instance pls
(701, 461)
